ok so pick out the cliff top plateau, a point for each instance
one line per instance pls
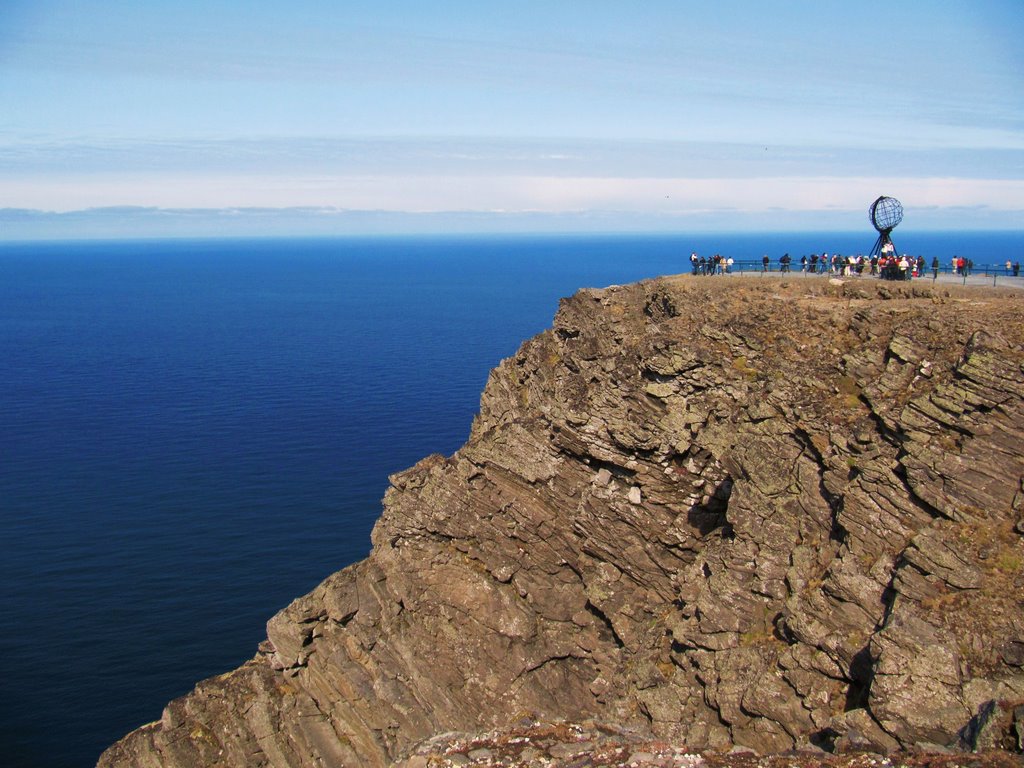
(695, 522)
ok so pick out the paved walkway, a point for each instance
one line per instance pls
(982, 279)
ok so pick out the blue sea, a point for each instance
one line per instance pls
(193, 433)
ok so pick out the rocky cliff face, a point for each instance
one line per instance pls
(723, 512)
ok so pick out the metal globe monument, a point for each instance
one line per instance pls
(885, 213)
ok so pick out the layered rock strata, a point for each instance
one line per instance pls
(767, 513)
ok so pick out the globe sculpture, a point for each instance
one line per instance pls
(885, 213)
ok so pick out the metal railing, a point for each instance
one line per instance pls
(978, 275)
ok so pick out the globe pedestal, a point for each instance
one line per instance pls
(883, 245)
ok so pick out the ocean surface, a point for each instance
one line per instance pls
(193, 433)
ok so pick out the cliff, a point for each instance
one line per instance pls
(719, 512)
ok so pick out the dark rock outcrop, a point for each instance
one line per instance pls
(758, 513)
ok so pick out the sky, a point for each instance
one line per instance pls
(123, 118)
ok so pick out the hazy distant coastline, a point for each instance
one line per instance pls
(127, 222)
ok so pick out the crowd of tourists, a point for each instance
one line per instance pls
(886, 265)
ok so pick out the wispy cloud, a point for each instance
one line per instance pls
(431, 192)
(489, 157)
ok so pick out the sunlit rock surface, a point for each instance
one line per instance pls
(757, 513)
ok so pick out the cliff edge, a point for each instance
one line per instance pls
(764, 513)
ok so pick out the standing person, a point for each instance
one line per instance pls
(764, 263)
(1016, 268)
(956, 265)
(693, 262)
(1008, 266)
(935, 267)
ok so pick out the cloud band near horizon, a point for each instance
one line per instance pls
(417, 193)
